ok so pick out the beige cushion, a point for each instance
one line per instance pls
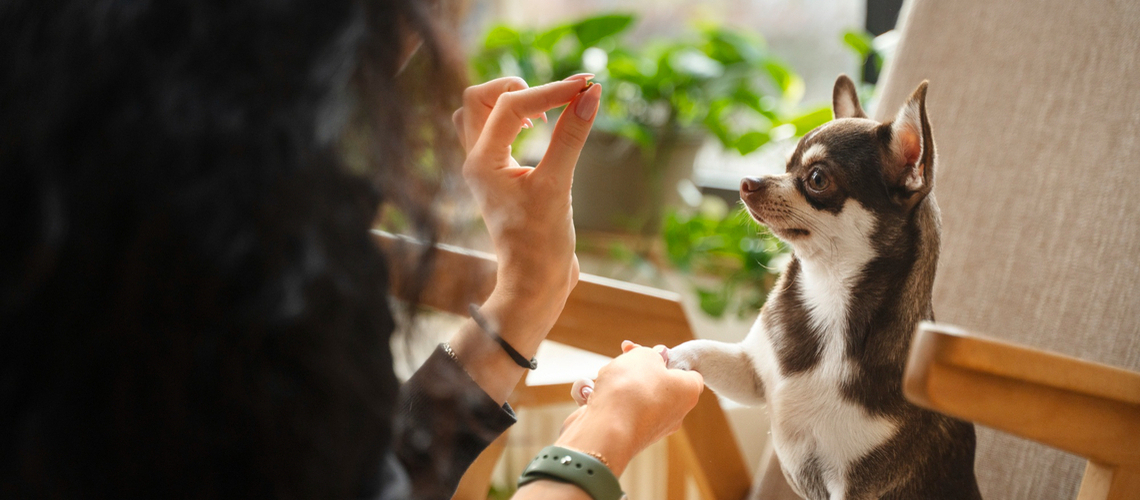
(1036, 114)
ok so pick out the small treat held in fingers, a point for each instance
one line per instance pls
(587, 87)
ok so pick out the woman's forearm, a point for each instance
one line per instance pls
(522, 321)
(550, 490)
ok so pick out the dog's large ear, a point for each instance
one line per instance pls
(909, 169)
(845, 100)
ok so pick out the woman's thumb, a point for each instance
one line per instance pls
(581, 391)
(570, 134)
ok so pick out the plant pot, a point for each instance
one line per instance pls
(617, 190)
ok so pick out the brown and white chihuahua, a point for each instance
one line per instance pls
(828, 350)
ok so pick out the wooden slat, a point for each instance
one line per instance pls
(599, 314)
(1081, 407)
(459, 276)
(541, 395)
(1008, 360)
(677, 464)
(720, 466)
(1103, 482)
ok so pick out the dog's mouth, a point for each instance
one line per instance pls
(790, 233)
(786, 232)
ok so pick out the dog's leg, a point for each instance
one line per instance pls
(727, 369)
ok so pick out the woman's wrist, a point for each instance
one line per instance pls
(550, 489)
(524, 315)
(611, 438)
(521, 322)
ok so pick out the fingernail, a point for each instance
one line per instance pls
(587, 104)
(586, 392)
(528, 124)
(579, 76)
(544, 117)
(664, 354)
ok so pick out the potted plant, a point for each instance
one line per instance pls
(663, 99)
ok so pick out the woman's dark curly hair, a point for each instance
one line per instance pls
(190, 301)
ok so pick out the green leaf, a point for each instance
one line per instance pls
(751, 142)
(748, 97)
(718, 129)
(786, 79)
(811, 119)
(860, 42)
(546, 40)
(589, 31)
(729, 46)
(624, 67)
(501, 36)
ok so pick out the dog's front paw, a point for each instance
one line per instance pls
(684, 356)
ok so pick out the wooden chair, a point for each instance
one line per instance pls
(599, 314)
(1087, 409)
(1037, 124)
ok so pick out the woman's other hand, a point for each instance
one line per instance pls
(527, 209)
(634, 402)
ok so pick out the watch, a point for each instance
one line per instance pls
(574, 467)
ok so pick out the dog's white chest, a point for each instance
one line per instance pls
(812, 421)
(812, 424)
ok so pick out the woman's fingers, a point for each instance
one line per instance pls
(663, 351)
(461, 130)
(479, 101)
(505, 120)
(582, 390)
(694, 380)
(690, 385)
(570, 135)
(628, 345)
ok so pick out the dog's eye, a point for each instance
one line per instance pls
(817, 181)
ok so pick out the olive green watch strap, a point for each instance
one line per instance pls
(577, 468)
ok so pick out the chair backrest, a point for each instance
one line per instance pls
(1036, 114)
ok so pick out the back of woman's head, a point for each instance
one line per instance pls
(190, 303)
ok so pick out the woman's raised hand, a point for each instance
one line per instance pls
(527, 209)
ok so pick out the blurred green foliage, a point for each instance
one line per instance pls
(716, 79)
(741, 256)
(862, 44)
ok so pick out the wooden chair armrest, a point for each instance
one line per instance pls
(1081, 407)
(596, 308)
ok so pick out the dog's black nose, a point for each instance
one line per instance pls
(750, 184)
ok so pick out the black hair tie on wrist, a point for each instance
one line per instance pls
(494, 334)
